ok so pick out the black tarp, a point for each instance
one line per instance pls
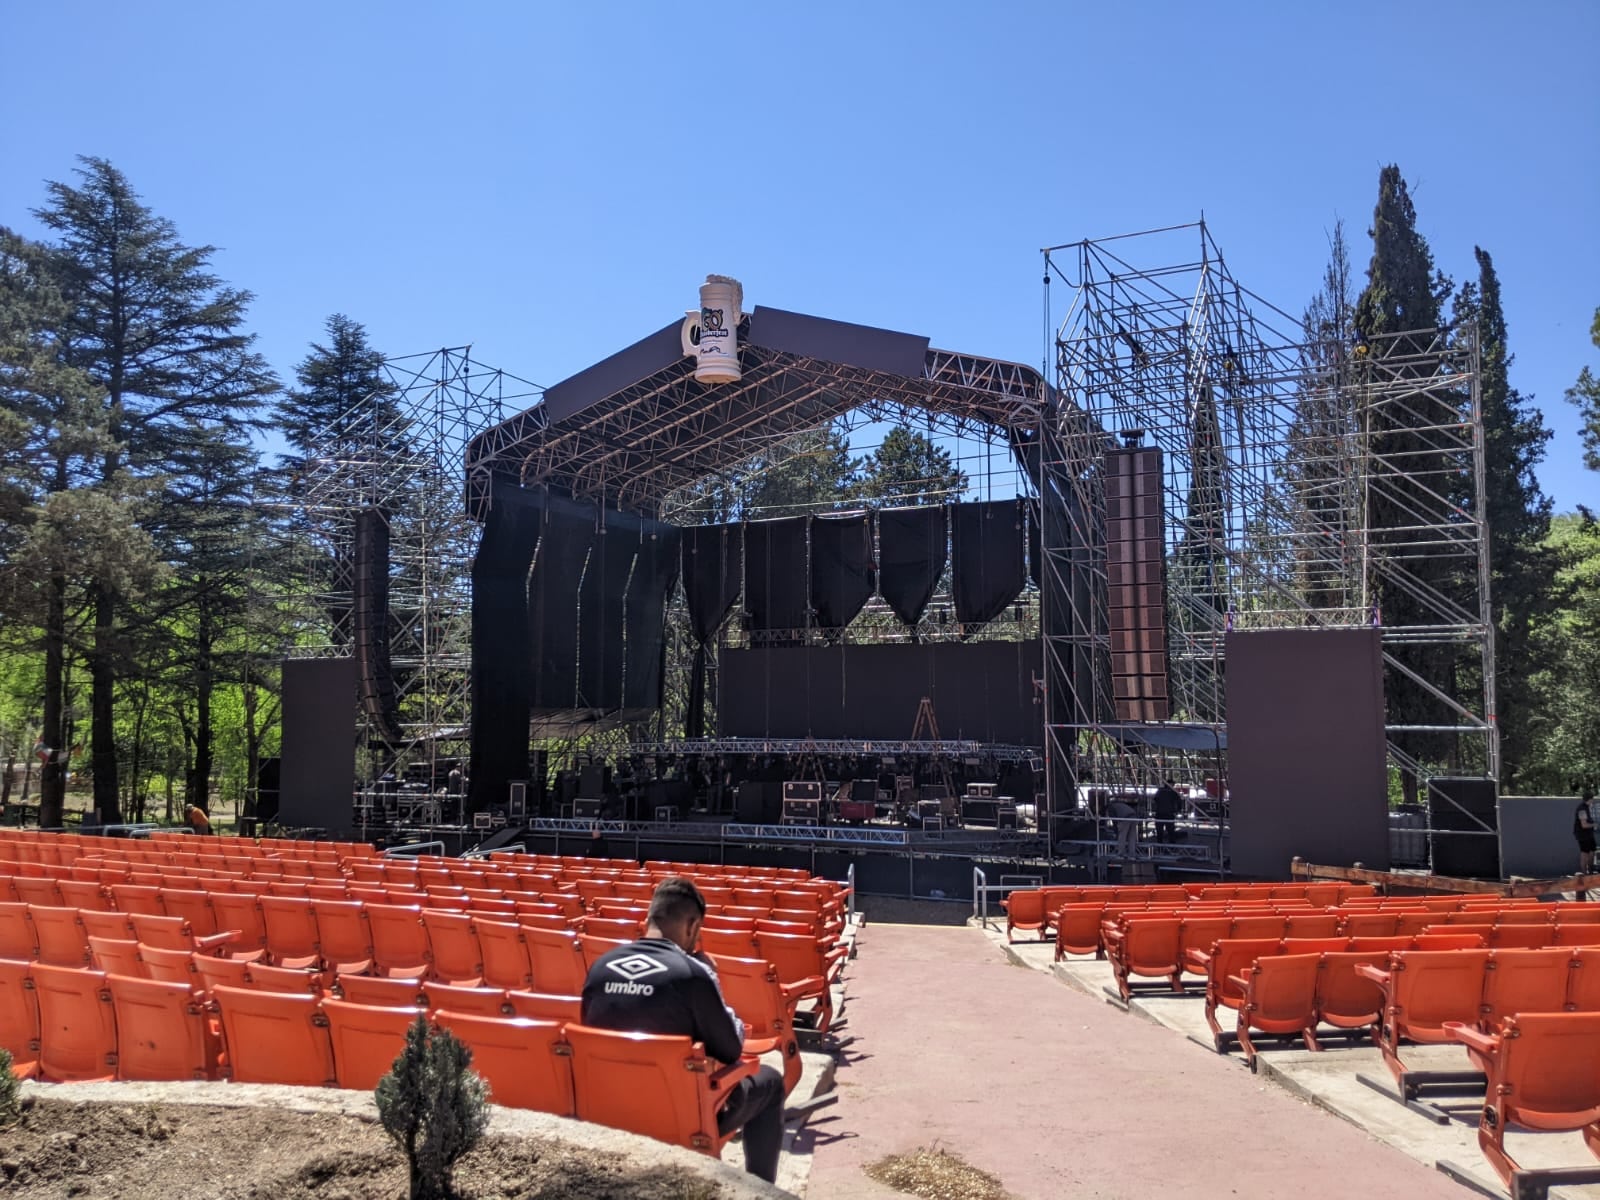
(776, 574)
(987, 559)
(842, 574)
(601, 600)
(713, 570)
(567, 535)
(655, 569)
(1035, 544)
(911, 557)
(501, 651)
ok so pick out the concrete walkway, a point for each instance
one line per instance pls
(1063, 1097)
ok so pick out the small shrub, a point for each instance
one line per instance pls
(10, 1092)
(434, 1106)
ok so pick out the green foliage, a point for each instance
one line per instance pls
(1564, 728)
(434, 1106)
(910, 468)
(10, 1092)
(1586, 395)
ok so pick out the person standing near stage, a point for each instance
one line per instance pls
(1165, 805)
(661, 984)
(1583, 831)
(195, 818)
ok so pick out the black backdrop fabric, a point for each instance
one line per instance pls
(842, 574)
(655, 569)
(911, 557)
(501, 651)
(776, 573)
(601, 603)
(986, 541)
(566, 538)
(713, 574)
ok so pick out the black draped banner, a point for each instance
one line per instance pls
(655, 569)
(566, 539)
(842, 574)
(911, 557)
(776, 594)
(986, 550)
(713, 570)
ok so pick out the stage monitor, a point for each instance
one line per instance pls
(319, 744)
(1306, 750)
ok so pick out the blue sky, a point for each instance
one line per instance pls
(550, 182)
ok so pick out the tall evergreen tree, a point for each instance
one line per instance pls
(809, 473)
(1586, 395)
(909, 468)
(1523, 567)
(345, 402)
(152, 327)
(1395, 317)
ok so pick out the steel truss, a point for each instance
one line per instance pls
(1284, 502)
(403, 450)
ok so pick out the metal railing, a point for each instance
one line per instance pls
(413, 850)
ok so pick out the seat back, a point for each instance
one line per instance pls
(593, 948)
(162, 1031)
(16, 932)
(647, 1084)
(475, 1001)
(1231, 957)
(344, 935)
(230, 972)
(1150, 947)
(1308, 925)
(505, 954)
(728, 943)
(453, 947)
(194, 907)
(41, 891)
(1520, 981)
(291, 925)
(241, 911)
(524, 1061)
(113, 925)
(1258, 926)
(60, 934)
(795, 957)
(19, 1017)
(169, 933)
(1281, 991)
(1201, 933)
(77, 1028)
(138, 898)
(1429, 987)
(1345, 999)
(366, 1040)
(380, 993)
(117, 956)
(275, 1037)
(1546, 1073)
(542, 1006)
(84, 893)
(1371, 924)
(173, 966)
(292, 980)
(1024, 909)
(399, 940)
(1521, 937)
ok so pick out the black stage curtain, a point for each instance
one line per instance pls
(713, 567)
(655, 569)
(842, 575)
(1035, 546)
(501, 650)
(986, 551)
(776, 594)
(600, 611)
(567, 536)
(911, 557)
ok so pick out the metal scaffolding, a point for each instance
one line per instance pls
(1306, 483)
(402, 452)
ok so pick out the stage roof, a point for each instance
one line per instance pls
(636, 427)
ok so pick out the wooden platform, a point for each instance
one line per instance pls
(1401, 882)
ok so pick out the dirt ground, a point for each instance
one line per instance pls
(130, 1152)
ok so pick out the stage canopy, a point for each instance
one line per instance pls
(636, 427)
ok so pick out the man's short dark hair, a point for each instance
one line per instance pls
(676, 900)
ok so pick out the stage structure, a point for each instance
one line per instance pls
(378, 520)
(1299, 484)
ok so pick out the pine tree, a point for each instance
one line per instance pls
(160, 335)
(910, 468)
(809, 473)
(1394, 319)
(1522, 567)
(1586, 395)
(345, 403)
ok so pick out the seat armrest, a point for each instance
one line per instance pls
(1200, 958)
(1376, 974)
(1484, 1043)
(1242, 982)
(811, 985)
(215, 941)
(723, 1079)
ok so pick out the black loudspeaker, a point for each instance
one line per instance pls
(801, 812)
(370, 622)
(756, 803)
(1460, 845)
(1136, 584)
(268, 773)
(588, 809)
(802, 789)
(594, 781)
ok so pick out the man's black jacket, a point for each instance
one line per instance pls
(651, 986)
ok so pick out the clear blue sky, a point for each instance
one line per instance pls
(550, 182)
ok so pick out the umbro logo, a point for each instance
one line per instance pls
(635, 967)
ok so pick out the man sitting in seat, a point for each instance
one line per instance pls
(681, 996)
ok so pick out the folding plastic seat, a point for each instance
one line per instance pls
(114, 925)
(1224, 962)
(162, 1031)
(172, 966)
(1523, 981)
(275, 1037)
(453, 951)
(1520, 937)
(77, 1028)
(229, 972)
(543, 1006)
(241, 912)
(1370, 924)
(292, 939)
(1147, 948)
(1443, 941)
(556, 961)
(570, 904)
(801, 961)
(524, 1061)
(344, 935)
(1564, 934)
(593, 890)
(381, 993)
(594, 948)
(138, 898)
(656, 1086)
(8, 889)
(43, 892)
(505, 953)
(19, 1017)
(1257, 926)
(116, 956)
(1279, 998)
(265, 978)
(366, 1040)
(61, 936)
(622, 929)
(1423, 989)
(174, 933)
(751, 988)
(479, 1001)
(1545, 914)
(17, 940)
(194, 907)
(399, 940)
(1346, 999)
(545, 921)
(636, 890)
(1199, 934)
(1543, 1073)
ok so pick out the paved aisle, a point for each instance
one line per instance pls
(1063, 1097)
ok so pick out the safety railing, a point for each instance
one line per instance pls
(982, 888)
(414, 849)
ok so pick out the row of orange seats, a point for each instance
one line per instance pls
(81, 1024)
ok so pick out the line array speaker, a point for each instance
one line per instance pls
(1136, 578)
(370, 623)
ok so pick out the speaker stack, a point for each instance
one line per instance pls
(1136, 577)
(802, 802)
(1458, 811)
(370, 623)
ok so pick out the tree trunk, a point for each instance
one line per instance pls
(102, 708)
(53, 772)
(5, 780)
(135, 804)
(252, 745)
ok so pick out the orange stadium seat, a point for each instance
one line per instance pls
(524, 1061)
(291, 926)
(399, 940)
(229, 972)
(751, 988)
(344, 935)
(366, 1040)
(275, 1037)
(505, 953)
(16, 932)
(381, 993)
(453, 948)
(543, 1006)
(117, 956)
(77, 1028)
(162, 1031)
(173, 966)
(19, 1017)
(61, 936)
(475, 1001)
(1279, 998)
(42, 892)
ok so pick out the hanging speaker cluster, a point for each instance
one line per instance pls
(1136, 580)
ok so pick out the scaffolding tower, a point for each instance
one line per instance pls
(1307, 481)
(400, 452)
